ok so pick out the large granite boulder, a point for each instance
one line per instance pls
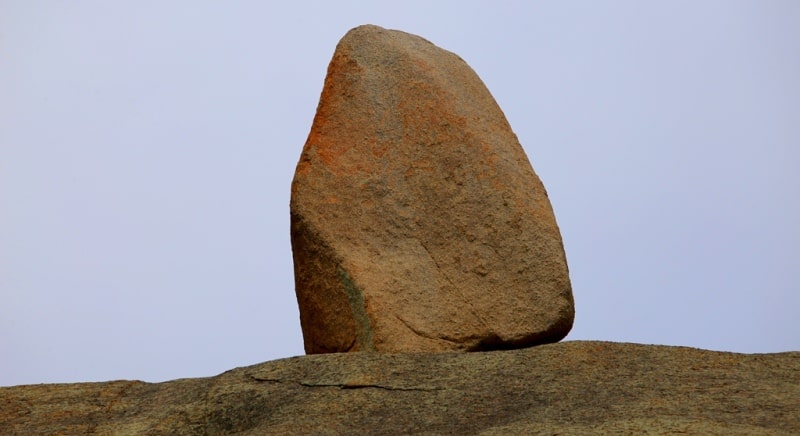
(564, 388)
(417, 221)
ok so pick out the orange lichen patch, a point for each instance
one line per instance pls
(330, 152)
(335, 92)
(422, 65)
(379, 149)
(490, 156)
(498, 184)
(303, 168)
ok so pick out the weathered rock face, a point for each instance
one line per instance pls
(564, 388)
(418, 223)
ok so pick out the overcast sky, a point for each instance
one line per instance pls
(147, 150)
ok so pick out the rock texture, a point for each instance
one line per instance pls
(564, 388)
(417, 221)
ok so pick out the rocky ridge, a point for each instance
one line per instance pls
(566, 388)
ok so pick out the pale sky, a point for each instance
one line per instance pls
(147, 150)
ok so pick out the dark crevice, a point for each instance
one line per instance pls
(268, 380)
(348, 385)
(369, 385)
(495, 343)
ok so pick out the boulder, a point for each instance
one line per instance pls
(564, 388)
(417, 221)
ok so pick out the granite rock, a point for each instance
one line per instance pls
(563, 388)
(417, 221)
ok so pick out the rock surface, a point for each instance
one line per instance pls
(417, 221)
(565, 388)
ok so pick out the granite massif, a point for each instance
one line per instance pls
(420, 230)
(562, 388)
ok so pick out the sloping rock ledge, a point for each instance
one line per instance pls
(568, 387)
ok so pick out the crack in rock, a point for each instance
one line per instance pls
(370, 385)
(350, 385)
(422, 334)
(268, 380)
(455, 288)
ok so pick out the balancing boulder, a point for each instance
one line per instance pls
(417, 221)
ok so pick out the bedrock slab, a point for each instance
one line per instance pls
(563, 388)
(417, 221)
